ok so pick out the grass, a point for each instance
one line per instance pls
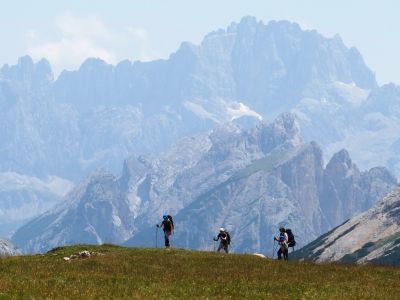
(135, 273)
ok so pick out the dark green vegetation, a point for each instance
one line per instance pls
(157, 274)
(389, 257)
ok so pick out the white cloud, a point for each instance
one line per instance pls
(78, 38)
(89, 27)
(138, 33)
(141, 38)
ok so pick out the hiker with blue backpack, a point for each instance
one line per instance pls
(282, 240)
(167, 225)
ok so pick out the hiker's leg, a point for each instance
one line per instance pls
(280, 253)
(166, 236)
(286, 254)
(226, 248)
(166, 241)
(220, 246)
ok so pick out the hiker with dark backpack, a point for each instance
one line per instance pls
(168, 227)
(225, 240)
(283, 244)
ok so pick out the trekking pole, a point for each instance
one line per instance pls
(273, 247)
(277, 246)
(157, 236)
(273, 250)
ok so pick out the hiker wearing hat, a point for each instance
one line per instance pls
(224, 238)
(168, 227)
(283, 243)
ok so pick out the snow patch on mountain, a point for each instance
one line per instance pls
(237, 110)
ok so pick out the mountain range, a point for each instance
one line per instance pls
(249, 180)
(93, 116)
(100, 114)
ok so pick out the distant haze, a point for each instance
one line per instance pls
(67, 32)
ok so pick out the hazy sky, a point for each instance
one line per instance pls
(66, 32)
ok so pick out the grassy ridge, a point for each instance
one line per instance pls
(157, 274)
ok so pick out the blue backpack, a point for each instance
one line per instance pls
(281, 238)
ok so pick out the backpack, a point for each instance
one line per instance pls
(172, 221)
(291, 241)
(228, 237)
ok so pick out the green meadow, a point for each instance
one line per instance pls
(135, 273)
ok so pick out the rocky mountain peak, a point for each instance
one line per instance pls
(28, 72)
(340, 163)
(249, 21)
(135, 168)
(382, 172)
(343, 180)
(26, 64)
(91, 65)
(44, 71)
(283, 132)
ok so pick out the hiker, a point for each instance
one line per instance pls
(283, 244)
(225, 240)
(168, 227)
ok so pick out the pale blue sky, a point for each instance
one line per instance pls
(68, 31)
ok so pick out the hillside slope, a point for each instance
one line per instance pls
(158, 274)
(373, 236)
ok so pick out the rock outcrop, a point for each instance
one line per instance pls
(8, 249)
